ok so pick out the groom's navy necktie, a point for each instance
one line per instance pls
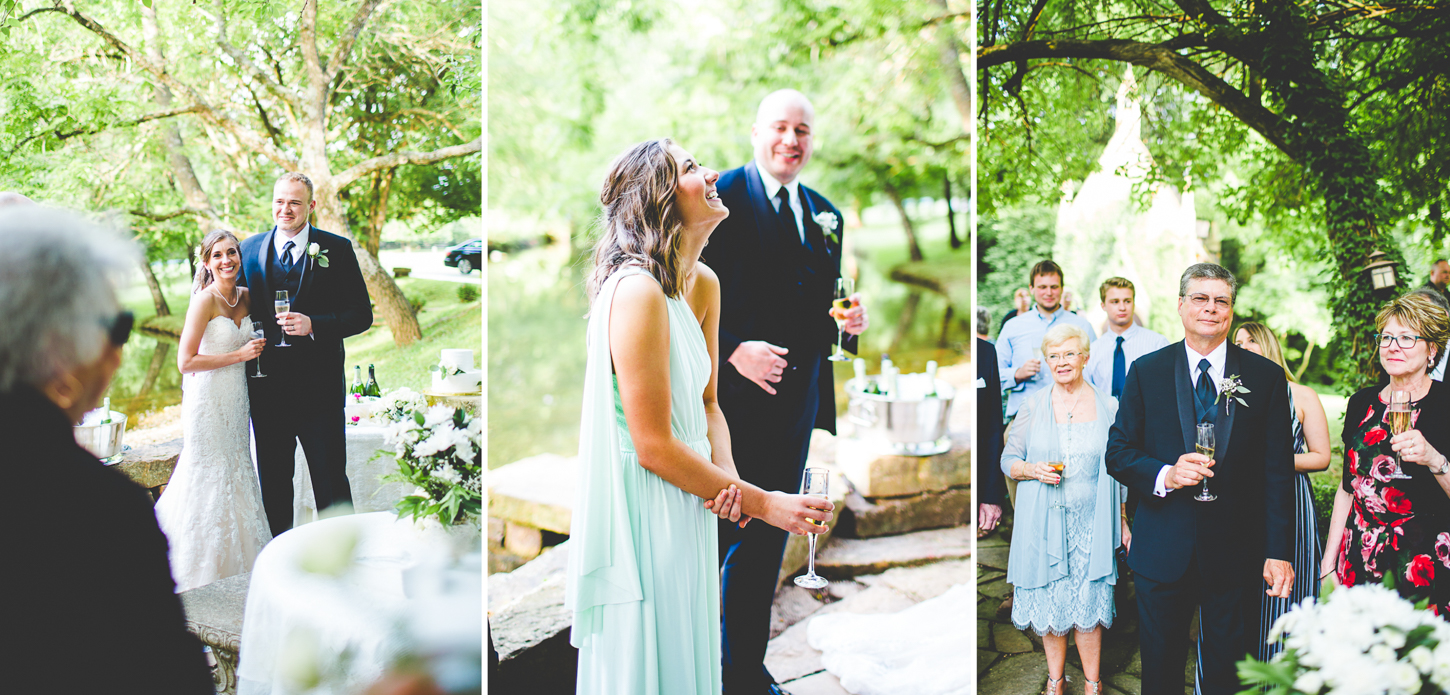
(787, 217)
(1204, 393)
(1120, 368)
(287, 256)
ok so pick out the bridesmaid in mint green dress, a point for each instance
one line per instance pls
(654, 451)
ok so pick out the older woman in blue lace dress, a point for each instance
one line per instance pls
(1070, 513)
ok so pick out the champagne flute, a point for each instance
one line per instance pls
(1041, 363)
(813, 484)
(1399, 413)
(842, 302)
(1058, 496)
(1205, 447)
(258, 334)
(281, 306)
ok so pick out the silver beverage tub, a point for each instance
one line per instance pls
(103, 440)
(914, 426)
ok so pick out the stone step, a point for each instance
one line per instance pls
(877, 472)
(847, 557)
(529, 626)
(893, 516)
(537, 491)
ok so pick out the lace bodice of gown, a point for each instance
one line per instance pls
(211, 510)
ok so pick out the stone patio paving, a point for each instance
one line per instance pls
(1011, 661)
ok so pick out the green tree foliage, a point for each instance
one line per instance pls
(1321, 118)
(887, 115)
(182, 115)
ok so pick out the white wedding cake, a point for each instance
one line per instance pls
(457, 374)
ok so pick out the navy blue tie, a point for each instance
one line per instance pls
(1205, 392)
(787, 217)
(287, 256)
(1120, 368)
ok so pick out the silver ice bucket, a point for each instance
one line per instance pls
(914, 424)
(103, 440)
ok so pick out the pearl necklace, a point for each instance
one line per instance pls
(232, 304)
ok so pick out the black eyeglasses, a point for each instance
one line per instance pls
(119, 328)
(1402, 340)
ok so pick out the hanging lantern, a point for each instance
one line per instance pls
(1381, 271)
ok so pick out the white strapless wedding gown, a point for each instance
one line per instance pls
(211, 510)
(922, 650)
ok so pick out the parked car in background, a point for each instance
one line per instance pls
(465, 256)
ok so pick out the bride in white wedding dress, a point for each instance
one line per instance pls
(211, 510)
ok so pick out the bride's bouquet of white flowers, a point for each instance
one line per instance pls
(1363, 640)
(440, 451)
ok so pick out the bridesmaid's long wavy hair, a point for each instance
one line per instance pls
(1269, 343)
(203, 273)
(641, 225)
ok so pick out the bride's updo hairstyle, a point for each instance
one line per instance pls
(640, 223)
(203, 273)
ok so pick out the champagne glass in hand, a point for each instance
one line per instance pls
(281, 306)
(840, 305)
(1058, 465)
(1205, 447)
(815, 485)
(1399, 414)
(258, 334)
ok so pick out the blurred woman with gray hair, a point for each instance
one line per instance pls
(1070, 515)
(85, 559)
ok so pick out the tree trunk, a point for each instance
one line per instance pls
(153, 371)
(906, 319)
(157, 298)
(191, 190)
(1304, 363)
(951, 214)
(382, 186)
(389, 302)
(906, 224)
(951, 61)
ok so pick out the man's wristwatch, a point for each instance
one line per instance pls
(1444, 466)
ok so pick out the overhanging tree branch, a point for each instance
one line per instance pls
(245, 62)
(394, 159)
(343, 50)
(206, 111)
(1159, 59)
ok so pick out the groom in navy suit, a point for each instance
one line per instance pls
(1211, 555)
(778, 256)
(302, 395)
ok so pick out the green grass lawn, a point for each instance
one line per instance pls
(445, 321)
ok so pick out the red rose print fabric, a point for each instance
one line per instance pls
(1387, 531)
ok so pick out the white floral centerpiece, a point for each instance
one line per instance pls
(440, 452)
(1363, 640)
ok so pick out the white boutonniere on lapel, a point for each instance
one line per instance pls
(829, 222)
(1233, 386)
(317, 255)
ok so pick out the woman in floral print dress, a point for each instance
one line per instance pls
(1398, 526)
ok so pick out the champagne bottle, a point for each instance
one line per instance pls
(106, 411)
(888, 377)
(858, 366)
(931, 378)
(372, 387)
(358, 387)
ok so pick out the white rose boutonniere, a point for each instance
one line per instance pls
(1232, 386)
(316, 253)
(829, 222)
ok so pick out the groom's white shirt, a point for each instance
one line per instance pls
(279, 240)
(299, 247)
(1217, 360)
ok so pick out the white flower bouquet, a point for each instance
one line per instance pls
(440, 451)
(1363, 640)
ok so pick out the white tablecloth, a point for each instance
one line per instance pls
(299, 622)
(369, 493)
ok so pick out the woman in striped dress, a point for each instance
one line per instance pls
(1311, 453)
